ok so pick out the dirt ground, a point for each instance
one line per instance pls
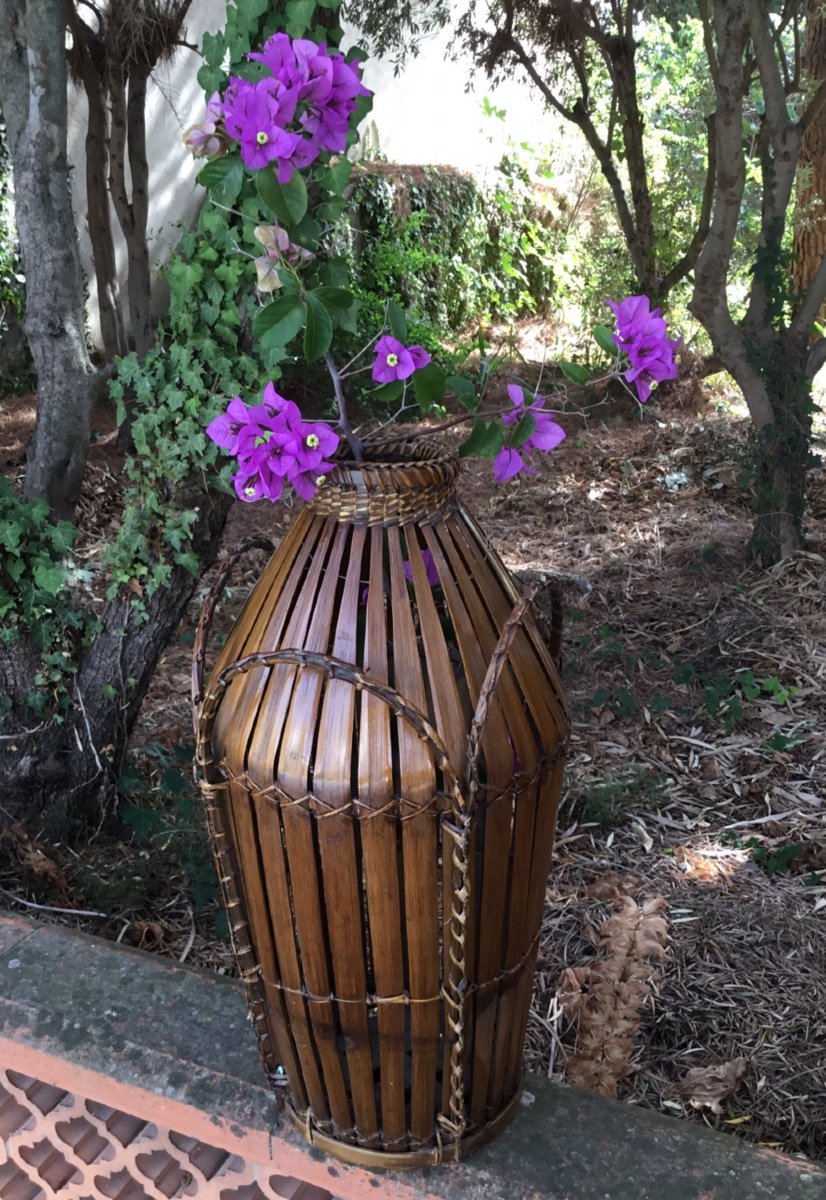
(696, 779)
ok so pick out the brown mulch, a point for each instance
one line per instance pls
(682, 782)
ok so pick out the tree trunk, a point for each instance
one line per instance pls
(127, 97)
(783, 456)
(810, 235)
(66, 774)
(33, 98)
(88, 63)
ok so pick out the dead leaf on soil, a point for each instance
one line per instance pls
(707, 1087)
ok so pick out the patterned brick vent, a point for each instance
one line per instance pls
(58, 1144)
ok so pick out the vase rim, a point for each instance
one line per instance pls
(400, 480)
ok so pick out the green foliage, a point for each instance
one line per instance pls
(172, 393)
(34, 572)
(446, 248)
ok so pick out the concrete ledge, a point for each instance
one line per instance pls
(172, 1044)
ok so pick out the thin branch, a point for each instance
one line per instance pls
(343, 417)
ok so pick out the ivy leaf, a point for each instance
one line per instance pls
(224, 177)
(319, 329)
(397, 321)
(211, 79)
(486, 439)
(523, 430)
(280, 321)
(604, 339)
(249, 11)
(49, 578)
(287, 200)
(577, 374)
(212, 48)
(465, 390)
(299, 16)
(428, 386)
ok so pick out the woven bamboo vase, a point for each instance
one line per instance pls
(381, 756)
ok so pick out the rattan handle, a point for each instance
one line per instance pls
(494, 672)
(208, 607)
(334, 668)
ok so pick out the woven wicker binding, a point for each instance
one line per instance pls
(376, 492)
(381, 760)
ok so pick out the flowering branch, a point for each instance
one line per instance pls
(295, 119)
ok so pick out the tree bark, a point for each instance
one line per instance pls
(33, 98)
(88, 57)
(810, 235)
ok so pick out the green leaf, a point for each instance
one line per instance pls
(49, 579)
(577, 374)
(337, 176)
(331, 210)
(397, 321)
(280, 321)
(212, 48)
(605, 340)
(319, 329)
(333, 297)
(523, 430)
(428, 386)
(465, 390)
(224, 177)
(211, 79)
(307, 232)
(287, 200)
(299, 16)
(486, 439)
(388, 392)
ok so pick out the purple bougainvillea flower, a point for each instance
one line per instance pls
(547, 435)
(643, 336)
(307, 483)
(299, 155)
(255, 117)
(227, 429)
(394, 360)
(260, 484)
(507, 464)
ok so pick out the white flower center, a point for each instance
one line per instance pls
(392, 360)
(262, 137)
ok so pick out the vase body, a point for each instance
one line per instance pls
(380, 747)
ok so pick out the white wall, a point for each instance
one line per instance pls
(425, 115)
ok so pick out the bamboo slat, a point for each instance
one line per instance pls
(381, 756)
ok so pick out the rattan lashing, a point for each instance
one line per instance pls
(352, 539)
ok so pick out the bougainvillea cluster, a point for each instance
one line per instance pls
(274, 445)
(299, 108)
(642, 335)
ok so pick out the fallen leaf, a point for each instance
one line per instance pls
(707, 1087)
